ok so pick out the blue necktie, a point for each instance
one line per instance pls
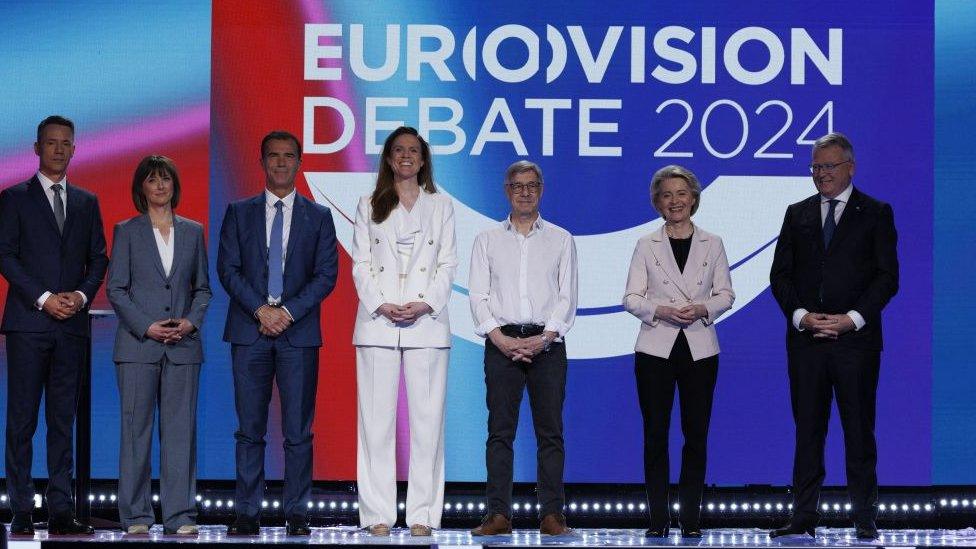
(274, 253)
(829, 224)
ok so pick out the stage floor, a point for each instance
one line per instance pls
(447, 539)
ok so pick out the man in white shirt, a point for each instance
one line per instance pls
(52, 252)
(523, 296)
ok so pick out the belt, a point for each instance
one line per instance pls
(522, 330)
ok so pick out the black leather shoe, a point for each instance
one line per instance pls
(657, 532)
(68, 525)
(793, 530)
(866, 531)
(298, 526)
(244, 526)
(22, 525)
(691, 532)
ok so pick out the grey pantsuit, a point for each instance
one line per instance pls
(151, 373)
(176, 386)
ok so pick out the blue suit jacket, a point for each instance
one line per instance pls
(35, 258)
(311, 268)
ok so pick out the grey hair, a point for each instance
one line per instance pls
(835, 139)
(680, 172)
(523, 166)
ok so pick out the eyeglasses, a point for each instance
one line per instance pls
(829, 168)
(533, 187)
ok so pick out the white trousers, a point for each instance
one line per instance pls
(378, 383)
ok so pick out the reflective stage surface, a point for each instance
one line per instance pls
(448, 538)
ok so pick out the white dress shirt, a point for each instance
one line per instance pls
(842, 199)
(166, 249)
(523, 279)
(407, 228)
(46, 184)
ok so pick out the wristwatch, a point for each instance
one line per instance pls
(547, 341)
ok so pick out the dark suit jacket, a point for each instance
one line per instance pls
(858, 271)
(141, 293)
(35, 259)
(311, 267)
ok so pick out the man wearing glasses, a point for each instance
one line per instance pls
(523, 299)
(834, 270)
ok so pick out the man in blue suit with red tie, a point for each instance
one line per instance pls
(277, 260)
(52, 253)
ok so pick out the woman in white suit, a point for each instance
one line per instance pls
(678, 285)
(404, 259)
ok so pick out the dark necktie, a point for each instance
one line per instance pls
(275, 278)
(58, 206)
(829, 224)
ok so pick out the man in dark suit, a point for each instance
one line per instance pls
(278, 260)
(52, 253)
(834, 270)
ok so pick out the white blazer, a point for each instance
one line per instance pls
(654, 279)
(430, 273)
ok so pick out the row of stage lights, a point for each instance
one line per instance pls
(593, 507)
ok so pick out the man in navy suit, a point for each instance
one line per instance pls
(277, 260)
(52, 253)
(834, 270)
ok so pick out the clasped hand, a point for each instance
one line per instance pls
(63, 306)
(824, 326)
(404, 315)
(170, 330)
(682, 316)
(274, 320)
(520, 349)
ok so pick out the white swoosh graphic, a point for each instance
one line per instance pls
(746, 211)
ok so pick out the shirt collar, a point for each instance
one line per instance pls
(46, 182)
(537, 225)
(270, 198)
(844, 197)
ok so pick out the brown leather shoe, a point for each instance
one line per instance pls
(494, 524)
(554, 524)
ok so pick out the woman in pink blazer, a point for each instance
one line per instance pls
(678, 285)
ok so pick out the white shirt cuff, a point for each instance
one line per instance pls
(40, 301)
(486, 327)
(84, 298)
(798, 316)
(857, 319)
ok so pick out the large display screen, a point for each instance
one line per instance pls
(600, 96)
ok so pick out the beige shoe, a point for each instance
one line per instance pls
(188, 530)
(137, 529)
(420, 530)
(379, 530)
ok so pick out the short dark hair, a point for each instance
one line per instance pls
(284, 136)
(150, 165)
(54, 120)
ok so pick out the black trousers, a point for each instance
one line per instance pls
(817, 373)
(506, 380)
(48, 364)
(656, 381)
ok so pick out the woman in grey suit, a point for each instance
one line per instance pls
(159, 287)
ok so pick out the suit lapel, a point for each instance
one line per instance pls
(696, 259)
(665, 261)
(72, 207)
(180, 245)
(388, 226)
(37, 193)
(299, 216)
(145, 231)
